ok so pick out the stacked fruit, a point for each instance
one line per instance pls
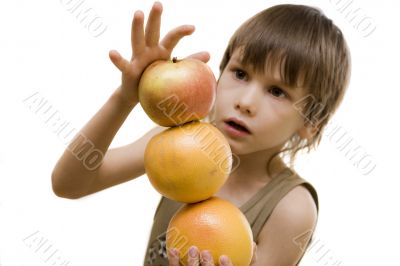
(191, 160)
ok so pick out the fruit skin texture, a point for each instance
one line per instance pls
(188, 163)
(175, 92)
(215, 225)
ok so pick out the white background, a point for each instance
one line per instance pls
(46, 50)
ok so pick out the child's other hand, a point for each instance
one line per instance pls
(146, 48)
(203, 258)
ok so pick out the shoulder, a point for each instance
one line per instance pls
(299, 206)
(294, 217)
(296, 212)
(297, 203)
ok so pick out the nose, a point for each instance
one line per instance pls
(247, 102)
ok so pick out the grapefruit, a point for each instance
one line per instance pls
(188, 163)
(215, 225)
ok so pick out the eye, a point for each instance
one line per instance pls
(240, 74)
(277, 92)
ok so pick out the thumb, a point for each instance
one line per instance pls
(173, 257)
(202, 56)
(118, 60)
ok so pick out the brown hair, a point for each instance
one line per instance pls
(311, 52)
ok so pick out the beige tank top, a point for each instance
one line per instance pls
(257, 211)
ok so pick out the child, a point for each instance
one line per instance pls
(283, 75)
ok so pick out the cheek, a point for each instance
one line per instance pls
(282, 111)
(223, 100)
(278, 126)
(218, 102)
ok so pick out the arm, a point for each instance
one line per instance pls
(72, 177)
(286, 233)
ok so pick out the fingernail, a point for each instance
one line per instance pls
(174, 252)
(224, 260)
(206, 256)
(192, 252)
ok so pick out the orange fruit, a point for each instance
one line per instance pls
(215, 225)
(188, 163)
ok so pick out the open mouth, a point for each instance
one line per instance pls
(237, 126)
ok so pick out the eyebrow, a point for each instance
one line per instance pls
(286, 85)
(279, 82)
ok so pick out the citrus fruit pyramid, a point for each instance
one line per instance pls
(189, 162)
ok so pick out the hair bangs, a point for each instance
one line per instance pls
(286, 40)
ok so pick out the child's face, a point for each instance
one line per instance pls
(260, 101)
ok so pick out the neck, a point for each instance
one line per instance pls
(253, 167)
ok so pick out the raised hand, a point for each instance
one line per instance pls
(147, 48)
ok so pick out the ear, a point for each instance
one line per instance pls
(308, 131)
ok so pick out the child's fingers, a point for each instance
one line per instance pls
(206, 258)
(118, 60)
(152, 33)
(137, 34)
(194, 256)
(173, 258)
(202, 56)
(173, 37)
(224, 261)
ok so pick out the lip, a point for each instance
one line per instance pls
(233, 131)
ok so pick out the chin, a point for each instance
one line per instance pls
(237, 149)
